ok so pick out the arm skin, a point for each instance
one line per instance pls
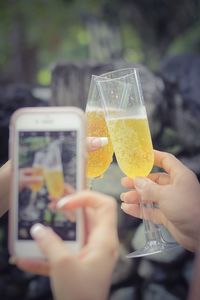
(4, 186)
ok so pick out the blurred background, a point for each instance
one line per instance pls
(36, 34)
(48, 51)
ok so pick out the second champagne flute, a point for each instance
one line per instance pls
(99, 160)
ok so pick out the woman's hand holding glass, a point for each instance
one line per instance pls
(176, 193)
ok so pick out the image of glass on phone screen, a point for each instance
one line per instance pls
(47, 171)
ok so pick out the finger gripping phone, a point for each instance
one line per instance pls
(47, 152)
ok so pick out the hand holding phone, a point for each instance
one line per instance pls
(47, 150)
(68, 270)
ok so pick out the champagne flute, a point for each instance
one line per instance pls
(121, 96)
(38, 171)
(53, 172)
(55, 182)
(30, 212)
(99, 160)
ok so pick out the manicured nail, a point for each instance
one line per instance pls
(63, 201)
(123, 206)
(38, 231)
(99, 142)
(104, 141)
(122, 196)
(140, 182)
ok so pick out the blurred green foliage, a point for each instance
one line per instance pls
(189, 41)
(39, 33)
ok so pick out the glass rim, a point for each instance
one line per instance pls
(103, 78)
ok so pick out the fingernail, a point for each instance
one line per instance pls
(62, 202)
(140, 182)
(38, 231)
(12, 260)
(123, 206)
(104, 141)
(99, 142)
(122, 196)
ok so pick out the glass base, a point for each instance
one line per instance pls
(153, 247)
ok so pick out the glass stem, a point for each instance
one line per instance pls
(152, 231)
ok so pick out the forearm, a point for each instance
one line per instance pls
(4, 187)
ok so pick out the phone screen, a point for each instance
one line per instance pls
(47, 168)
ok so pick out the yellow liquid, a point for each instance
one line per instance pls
(99, 160)
(132, 145)
(55, 183)
(35, 187)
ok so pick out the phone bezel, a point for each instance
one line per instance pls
(36, 119)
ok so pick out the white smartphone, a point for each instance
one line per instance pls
(47, 151)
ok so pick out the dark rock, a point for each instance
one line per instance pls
(126, 293)
(145, 269)
(124, 268)
(13, 97)
(188, 270)
(14, 291)
(158, 292)
(3, 261)
(181, 74)
(39, 288)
